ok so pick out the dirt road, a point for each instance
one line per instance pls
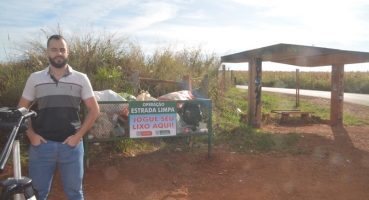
(328, 163)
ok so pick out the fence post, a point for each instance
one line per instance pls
(232, 79)
(297, 88)
(205, 85)
(3, 81)
(224, 78)
(187, 81)
(135, 83)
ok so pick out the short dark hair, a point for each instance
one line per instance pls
(56, 37)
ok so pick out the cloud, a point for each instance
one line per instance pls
(221, 26)
(152, 13)
(22, 13)
(199, 14)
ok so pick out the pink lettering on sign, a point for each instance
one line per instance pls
(145, 119)
(167, 118)
(140, 126)
(164, 125)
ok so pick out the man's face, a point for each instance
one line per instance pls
(57, 53)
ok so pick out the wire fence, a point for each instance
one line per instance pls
(156, 87)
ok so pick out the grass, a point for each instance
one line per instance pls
(110, 62)
(240, 137)
(245, 139)
(227, 130)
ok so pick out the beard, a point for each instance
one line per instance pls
(58, 64)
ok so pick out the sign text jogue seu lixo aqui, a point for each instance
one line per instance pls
(152, 118)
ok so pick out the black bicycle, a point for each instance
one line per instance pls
(18, 187)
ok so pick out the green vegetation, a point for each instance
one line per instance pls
(274, 102)
(110, 63)
(245, 139)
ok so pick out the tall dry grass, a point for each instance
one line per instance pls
(109, 62)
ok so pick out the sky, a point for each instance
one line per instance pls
(220, 26)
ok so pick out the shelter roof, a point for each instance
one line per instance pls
(299, 55)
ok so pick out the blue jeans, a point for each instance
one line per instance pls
(44, 159)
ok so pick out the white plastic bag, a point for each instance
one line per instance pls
(108, 95)
(145, 96)
(179, 95)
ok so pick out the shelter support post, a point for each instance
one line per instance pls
(337, 91)
(254, 92)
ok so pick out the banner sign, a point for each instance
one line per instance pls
(152, 118)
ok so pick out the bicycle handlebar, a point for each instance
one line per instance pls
(8, 146)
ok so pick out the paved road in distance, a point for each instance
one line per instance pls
(361, 99)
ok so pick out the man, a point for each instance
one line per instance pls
(56, 134)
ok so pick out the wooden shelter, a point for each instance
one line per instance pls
(302, 56)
